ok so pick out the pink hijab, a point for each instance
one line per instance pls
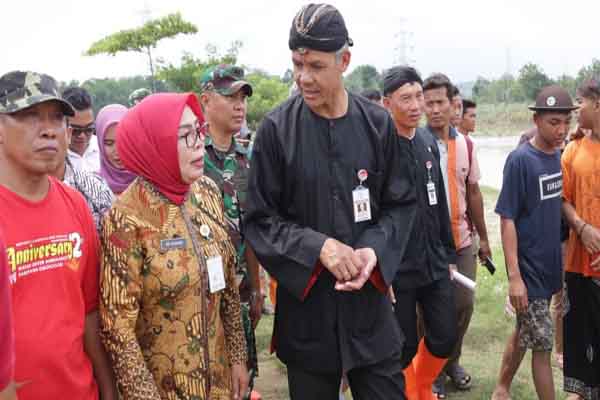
(118, 179)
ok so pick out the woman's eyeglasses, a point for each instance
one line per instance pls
(192, 136)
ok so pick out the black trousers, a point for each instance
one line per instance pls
(439, 315)
(381, 381)
(582, 337)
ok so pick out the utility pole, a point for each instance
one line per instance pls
(508, 61)
(507, 74)
(145, 15)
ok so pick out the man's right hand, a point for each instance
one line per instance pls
(340, 260)
(517, 291)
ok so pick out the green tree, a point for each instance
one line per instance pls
(267, 92)
(506, 89)
(567, 82)
(288, 76)
(116, 91)
(143, 39)
(588, 72)
(480, 88)
(186, 76)
(363, 77)
(532, 79)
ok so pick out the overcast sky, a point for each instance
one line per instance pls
(463, 38)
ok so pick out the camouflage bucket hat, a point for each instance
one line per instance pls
(225, 79)
(20, 90)
(138, 95)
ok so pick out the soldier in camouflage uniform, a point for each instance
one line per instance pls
(227, 162)
(138, 95)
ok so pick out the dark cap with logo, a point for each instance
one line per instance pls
(22, 89)
(553, 98)
(225, 79)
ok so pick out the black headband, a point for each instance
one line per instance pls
(319, 27)
(397, 77)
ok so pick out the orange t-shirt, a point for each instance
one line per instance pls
(581, 188)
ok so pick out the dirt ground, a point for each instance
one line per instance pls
(272, 382)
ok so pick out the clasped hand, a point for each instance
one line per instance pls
(351, 268)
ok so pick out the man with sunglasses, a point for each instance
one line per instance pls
(227, 162)
(84, 153)
(52, 249)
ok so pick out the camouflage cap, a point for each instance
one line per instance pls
(22, 89)
(138, 95)
(225, 79)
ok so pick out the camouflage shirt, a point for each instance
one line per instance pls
(230, 172)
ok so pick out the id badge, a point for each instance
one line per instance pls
(431, 193)
(362, 204)
(216, 276)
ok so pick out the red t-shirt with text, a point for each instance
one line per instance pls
(52, 250)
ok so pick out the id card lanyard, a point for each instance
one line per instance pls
(361, 199)
(204, 299)
(431, 193)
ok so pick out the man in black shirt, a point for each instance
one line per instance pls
(424, 275)
(331, 201)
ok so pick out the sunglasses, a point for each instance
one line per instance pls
(87, 130)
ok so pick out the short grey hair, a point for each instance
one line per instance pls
(339, 53)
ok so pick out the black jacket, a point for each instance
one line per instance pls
(303, 171)
(431, 246)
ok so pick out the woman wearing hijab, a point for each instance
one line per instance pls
(170, 308)
(111, 167)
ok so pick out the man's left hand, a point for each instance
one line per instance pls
(369, 261)
(240, 380)
(452, 269)
(484, 250)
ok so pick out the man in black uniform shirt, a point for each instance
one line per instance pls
(331, 202)
(424, 275)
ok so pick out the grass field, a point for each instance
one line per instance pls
(484, 343)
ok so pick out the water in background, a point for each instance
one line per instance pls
(492, 153)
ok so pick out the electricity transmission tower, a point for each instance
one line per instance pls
(404, 48)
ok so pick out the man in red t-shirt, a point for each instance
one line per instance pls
(7, 337)
(51, 246)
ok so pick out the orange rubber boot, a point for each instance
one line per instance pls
(410, 383)
(273, 291)
(254, 395)
(427, 368)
